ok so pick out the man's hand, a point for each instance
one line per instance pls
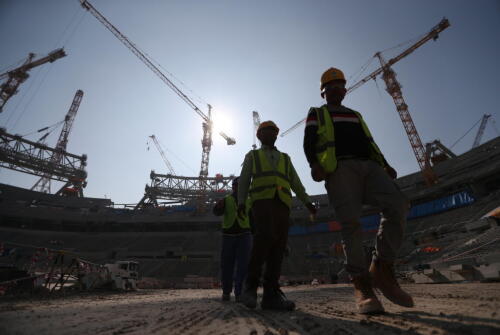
(391, 172)
(220, 204)
(312, 209)
(317, 172)
(242, 211)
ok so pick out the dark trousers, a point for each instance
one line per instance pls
(271, 220)
(234, 261)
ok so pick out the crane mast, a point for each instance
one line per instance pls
(394, 89)
(256, 124)
(18, 75)
(43, 184)
(480, 132)
(162, 153)
(207, 121)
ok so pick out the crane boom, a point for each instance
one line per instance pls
(433, 34)
(18, 75)
(131, 46)
(162, 153)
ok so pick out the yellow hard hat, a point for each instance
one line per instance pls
(331, 74)
(267, 124)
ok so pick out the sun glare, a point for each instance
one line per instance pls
(221, 122)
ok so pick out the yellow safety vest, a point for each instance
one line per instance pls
(267, 181)
(325, 146)
(231, 213)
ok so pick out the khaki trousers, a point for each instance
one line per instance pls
(356, 182)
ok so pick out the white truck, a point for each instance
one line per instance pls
(123, 275)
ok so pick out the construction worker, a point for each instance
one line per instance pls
(268, 176)
(342, 152)
(236, 244)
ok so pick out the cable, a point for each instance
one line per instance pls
(25, 92)
(45, 128)
(34, 94)
(404, 43)
(71, 21)
(493, 124)
(465, 133)
(362, 69)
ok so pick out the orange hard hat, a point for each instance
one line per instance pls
(330, 75)
(268, 124)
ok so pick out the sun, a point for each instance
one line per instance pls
(221, 122)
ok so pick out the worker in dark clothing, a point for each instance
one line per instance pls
(268, 176)
(342, 152)
(236, 244)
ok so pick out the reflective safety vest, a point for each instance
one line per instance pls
(268, 181)
(325, 146)
(231, 213)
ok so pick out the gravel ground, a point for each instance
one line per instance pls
(471, 308)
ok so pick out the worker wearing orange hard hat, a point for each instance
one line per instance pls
(268, 178)
(342, 152)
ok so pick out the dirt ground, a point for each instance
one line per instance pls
(464, 309)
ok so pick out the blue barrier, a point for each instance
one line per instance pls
(371, 222)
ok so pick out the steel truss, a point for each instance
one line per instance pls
(19, 154)
(183, 190)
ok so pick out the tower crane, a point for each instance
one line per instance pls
(18, 75)
(207, 118)
(480, 131)
(43, 184)
(256, 123)
(394, 89)
(206, 141)
(162, 153)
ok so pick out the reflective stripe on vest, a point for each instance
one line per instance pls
(325, 147)
(266, 180)
(231, 213)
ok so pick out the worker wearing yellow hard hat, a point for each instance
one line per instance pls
(268, 177)
(236, 243)
(342, 152)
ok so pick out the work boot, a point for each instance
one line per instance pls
(384, 279)
(366, 300)
(276, 299)
(249, 297)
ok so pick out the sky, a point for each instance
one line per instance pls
(241, 56)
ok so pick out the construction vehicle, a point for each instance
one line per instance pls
(18, 75)
(123, 275)
(394, 89)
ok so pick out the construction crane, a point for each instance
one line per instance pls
(162, 153)
(43, 184)
(256, 123)
(480, 131)
(394, 89)
(17, 76)
(207, 120)
(437, 152)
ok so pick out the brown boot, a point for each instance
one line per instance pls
(366, 300)
(384, 279)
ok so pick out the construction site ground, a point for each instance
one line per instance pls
(465, 309)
